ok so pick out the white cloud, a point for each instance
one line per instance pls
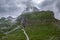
(38, 1)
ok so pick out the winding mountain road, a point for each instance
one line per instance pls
(27, 38)
(12, 30)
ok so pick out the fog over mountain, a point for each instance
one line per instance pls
(16, 7)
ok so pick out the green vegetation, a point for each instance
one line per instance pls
(39, 26)
(1, 35)
(16, 35)
(42, 26)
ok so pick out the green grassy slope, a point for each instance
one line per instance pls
(42, 26)
(16, 35)
(39, 26)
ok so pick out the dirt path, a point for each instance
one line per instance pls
(12, 30)
(27, 38)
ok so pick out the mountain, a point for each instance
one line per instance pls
(11, 19)
(7, 24)
(39, 26)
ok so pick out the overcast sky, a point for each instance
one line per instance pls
(53, 5)
(16, 7)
